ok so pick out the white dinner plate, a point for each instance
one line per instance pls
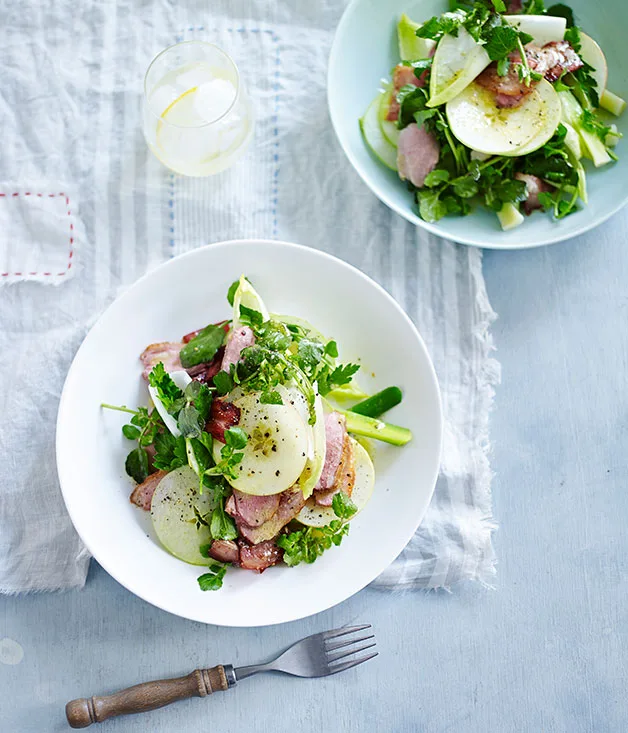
(184, 294)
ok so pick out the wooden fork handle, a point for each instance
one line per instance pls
(147, 696)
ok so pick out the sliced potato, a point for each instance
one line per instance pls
(478, 123)
(318, 516)
(174, 519)
(457, 62)
(276, 452)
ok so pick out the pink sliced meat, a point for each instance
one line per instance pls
(254, 510)
(335, 432)
(237, 340)
(344, 478)
(534, 186)
(553, 60)
(402, 76)
(166, 352)
(259, 557)
(291, 502)
(514, 6)
(222, 415)
(143, 493)
(225, 551)
(418, 152)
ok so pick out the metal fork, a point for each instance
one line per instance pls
(315, 656)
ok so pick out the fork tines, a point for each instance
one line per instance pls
(349, 647)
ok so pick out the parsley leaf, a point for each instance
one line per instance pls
(502, 40)
(169, 394)
(594, 124)
(223, 382)
(343, 507)
(169, 451)
(271, 397)
(309, 354)
(202, 348)
(213, 579)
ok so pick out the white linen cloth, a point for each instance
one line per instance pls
(71, 87)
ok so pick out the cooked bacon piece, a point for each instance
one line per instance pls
(335, 433)
(418, 152)
(259, 557)
(291, 502)
(222, 415)
(402, 76)
(225, 551)
(553, 60)
(344, 478)
(254, 510)
(166, 352)
(143, 493)
(534, 186)
(236, 342)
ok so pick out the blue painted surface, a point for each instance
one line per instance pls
(545, 651)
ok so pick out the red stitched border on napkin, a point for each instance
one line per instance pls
(71, 235)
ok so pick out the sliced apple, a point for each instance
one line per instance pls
(374, 137)
(457, 62)
(543, 28)
(592, 54)
(411, 47)
(389, 128)
(478, 123)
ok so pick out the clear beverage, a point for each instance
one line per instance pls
(197, 117)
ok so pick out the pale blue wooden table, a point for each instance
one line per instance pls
(546, 651)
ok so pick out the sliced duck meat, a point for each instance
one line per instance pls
(143, 493)
(553, 60)
(514, 6)
(534, 186)
(509, 90)
(291, 502)
(259, 557)
(238, 339)
(166, 352)
(418, 152)
(402, 76)
(205, 373)
(344, 478)
(335, 433)
(225, 551)
(222, 415)
(254, 510)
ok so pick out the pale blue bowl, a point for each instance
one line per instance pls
(365, 50)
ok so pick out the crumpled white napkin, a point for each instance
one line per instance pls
(84, 64)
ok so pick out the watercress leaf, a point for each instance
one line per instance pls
(202, 348)
(436, 177)
(546, 200)
(431, 208)
(342, 505)
(223, 382)
(250, 316)
(132, 432)
(214, 578)
(136, 465)
(309, 354)
(411, 100)
(499, 5)
(331, 349)
(222, 526)
(271, 397)
(204, 549)
(235, 438)
(534, 7)
(503, 66)
(190, 422)
(423, 115)
(465, 187)
(169, 451)
(430, 29)
(170, 395)
(560, 10)
(592, 123)
(232, 291)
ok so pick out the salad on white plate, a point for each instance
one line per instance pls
(247, 455)
(496, 103)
